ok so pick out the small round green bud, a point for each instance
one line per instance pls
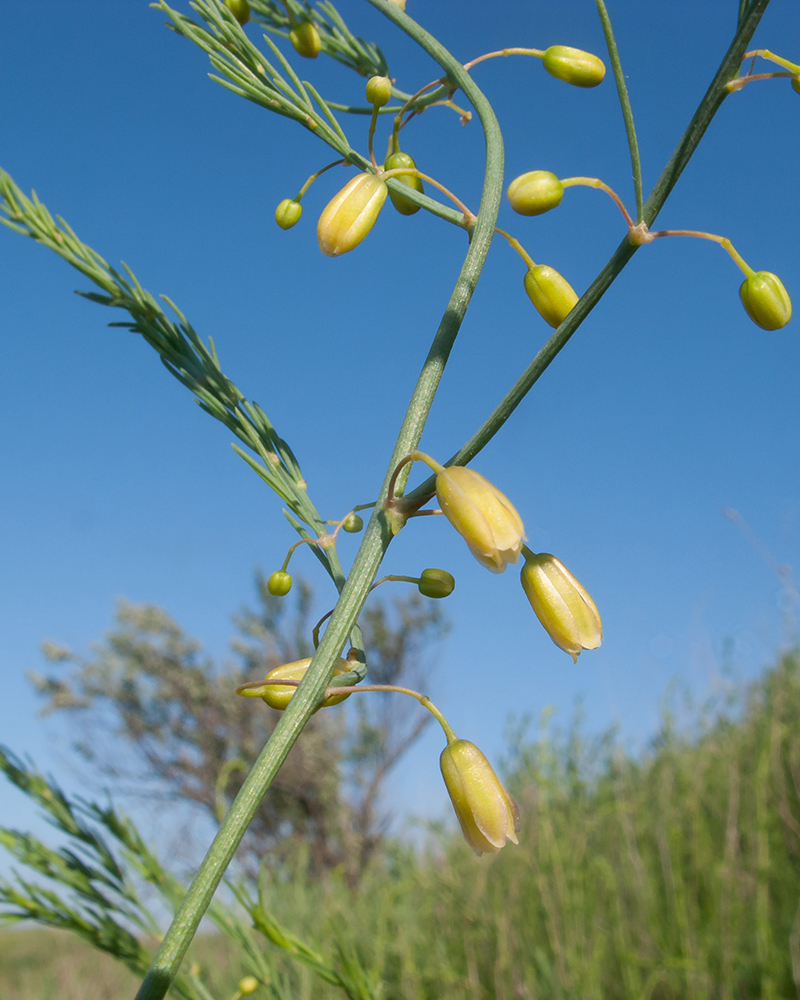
(279, 583)
(393, 162)
(535, 192)
(353, 524)
(288, 213)
(552, 295)
(436, 583)
(240, 10)
(796, 83)
(379, 90)
(247, 985)
(305, 39)
(766, 301)
(574, 66)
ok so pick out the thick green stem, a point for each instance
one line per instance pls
(376, 539)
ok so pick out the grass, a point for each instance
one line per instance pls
(672, 875)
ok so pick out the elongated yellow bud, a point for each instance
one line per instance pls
(766, 300)
(487, 814)
(563, 606)
(581, 69)
(535, 192)
(278, 697)
(552, 294)
(350, 215)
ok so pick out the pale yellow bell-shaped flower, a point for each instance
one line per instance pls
(350, 215)
(483, 516)
(486, 812)
(278, 696)
(563, 606)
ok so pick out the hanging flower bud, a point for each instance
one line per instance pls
(766, 300)
(565, 609)
(393, 162)
(353, 524)
(288, 213)
(278, 697)
(350, 215)
(552, 295)
(247, 985)
(487, 814)
(379, 90)
(535, 192)
(436, 583)
(574, 66)
(240, 10)
(279, 583)
(482, 515)
(305, 39)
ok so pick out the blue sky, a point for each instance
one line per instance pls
(667, 407)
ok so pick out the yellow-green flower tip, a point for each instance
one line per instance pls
(581, 69)
(379, 90)
(350, 215)
(487, 814)
(353, 524)
(278, 697)
(305, 39)
(483, 516)
(563, 606)
(279, 583)
(765, 300)
(394, 162)
(535, 192)
(553, 296)
(240, 10)
(436, 583)
(247, 985)
(288, 213)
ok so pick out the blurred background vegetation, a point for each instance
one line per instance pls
(666, 874)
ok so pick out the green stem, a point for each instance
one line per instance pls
(689, 141)
(625, 104)
(375, 542)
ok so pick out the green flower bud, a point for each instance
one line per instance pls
(279, 583)
(247, 985)
(353, 524)
(574, 66)
(552, 295)
(535, 192)
(379, 90)
(483, 516)
(350, 215)
(278, 697)
(436, 583)
(487, 814)
(240, 10)
(288, 213)
(305, 39)
(766, 300)
(565, 609)
(393, 162)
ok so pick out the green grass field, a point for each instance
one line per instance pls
(673, 875)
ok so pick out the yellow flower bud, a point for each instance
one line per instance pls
(487, 814)
(535, 192)
(766, 300)
(565, 609)
(581, 69)
(240, 10)
(482, 515)
(379, 90)
(305, 39)
(350, 215)
(288, 213)
(278, 697)
(436, 583)
(247, 985)
(553, 296)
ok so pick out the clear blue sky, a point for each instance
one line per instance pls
(668, 406)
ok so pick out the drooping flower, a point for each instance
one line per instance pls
(278, 696)
(563, 606)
